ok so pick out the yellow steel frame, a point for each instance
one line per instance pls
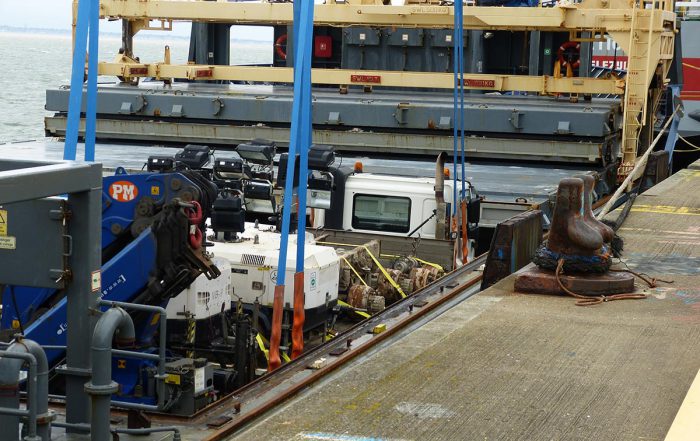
(589, 15)
(540, 84)
(616, 18)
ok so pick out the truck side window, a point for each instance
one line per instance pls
(381, 213)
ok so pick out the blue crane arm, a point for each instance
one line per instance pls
(147, 255)
(123, 277)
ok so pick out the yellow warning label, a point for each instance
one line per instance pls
(8, 243)
(155, 190)
(3, 222)
(172, 379)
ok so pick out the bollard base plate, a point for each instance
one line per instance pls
(533, 280)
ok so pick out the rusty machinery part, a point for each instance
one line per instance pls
(424, 276)
(346, 275)
(406, 284)
(364, 297)
(358, 294)
(405, 264)
(571, 237)
(385, 287)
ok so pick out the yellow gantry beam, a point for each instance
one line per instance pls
(541, 84)
(611, 15)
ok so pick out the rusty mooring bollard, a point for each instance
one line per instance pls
(605, 231)
(570, 234)
(579, 240)
(572, 237)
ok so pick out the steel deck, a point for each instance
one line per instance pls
(503, 365)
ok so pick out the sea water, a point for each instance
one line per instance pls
(34, 61)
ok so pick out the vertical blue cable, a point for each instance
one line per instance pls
(306, 127)
(91, 108)
(303, 28)
(460, 26)
(76, 84)
(455, 114)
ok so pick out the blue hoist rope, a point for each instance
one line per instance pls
(87, 21)
(300, 136)
(91, 107)
(458, 108)
(305, 134)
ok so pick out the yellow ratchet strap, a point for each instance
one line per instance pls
(264, 350)
(376, 262)
(261, 342)
(363, 314)
(354, 271)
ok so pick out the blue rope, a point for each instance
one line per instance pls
(459, 15)
(457, 43)
(575, 258)
(76, 84)
(301, 121)
(91, 108)
(305, 134)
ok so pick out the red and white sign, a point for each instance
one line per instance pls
(479, 83)
(611, 62)
(373, 79)
(123, 191)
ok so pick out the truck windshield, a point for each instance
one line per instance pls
(381, 213)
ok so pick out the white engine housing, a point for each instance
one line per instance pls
(204, 298)
(254, 268)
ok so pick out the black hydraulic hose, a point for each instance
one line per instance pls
(14, 304)
(423, 223)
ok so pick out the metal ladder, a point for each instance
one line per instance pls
(636, 92)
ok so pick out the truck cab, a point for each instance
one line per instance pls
(391, 205)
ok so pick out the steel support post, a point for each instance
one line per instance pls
(475, 55)
(534, 65)
(586, 56)
(82, 297)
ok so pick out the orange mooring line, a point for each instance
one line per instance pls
(465, 239)
(276, 333)
(298, 323)
(454, 229)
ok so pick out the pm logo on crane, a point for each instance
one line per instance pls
(123, 191)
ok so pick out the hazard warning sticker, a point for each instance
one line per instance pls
(3, 222)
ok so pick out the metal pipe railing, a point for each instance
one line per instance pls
(160, 376)
(9, 376)
(144, 431)
(101, 387)
(160, 357)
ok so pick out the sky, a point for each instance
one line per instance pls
(56, 14)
